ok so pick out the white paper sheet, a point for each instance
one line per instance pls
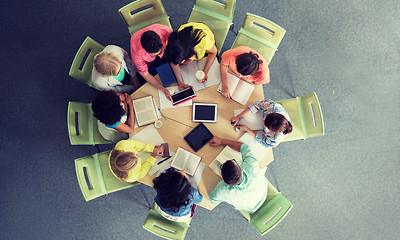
(188, 74)
(253, 120)
(256, 148)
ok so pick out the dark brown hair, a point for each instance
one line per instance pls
(276, 122)
(248, 63)
(231, 173)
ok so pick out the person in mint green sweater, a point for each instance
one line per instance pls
(126, 165)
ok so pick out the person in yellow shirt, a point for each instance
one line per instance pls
(126, 165)
(191, 42)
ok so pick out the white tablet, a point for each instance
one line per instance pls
(205, 112)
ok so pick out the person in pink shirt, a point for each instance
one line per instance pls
(246, 64)
(147, 52)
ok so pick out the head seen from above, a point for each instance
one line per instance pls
(151, 43)
(107, 107)
(107, 64)
(231, 172)
(122, 162)
(173, 189)
(277, 123)
(248, 63)
(181, 44)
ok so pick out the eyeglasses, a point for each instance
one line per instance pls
(230, 160)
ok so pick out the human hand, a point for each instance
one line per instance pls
(235, 120)
(204, 79)
(225, 92)
(216, 141)
(242, 127)
(167, 94)
(183, 86)
(128, 99)
(158, 151)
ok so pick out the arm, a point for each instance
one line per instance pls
(216, 141)
(224, 81)
(235, 120)
(146, 165)
(129, 125)
(212, 54)
(155, 83)
(178, 74)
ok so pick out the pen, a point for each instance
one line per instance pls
(163, 160)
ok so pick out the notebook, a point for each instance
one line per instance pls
(166, 74)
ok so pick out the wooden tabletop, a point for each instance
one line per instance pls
(178, 122)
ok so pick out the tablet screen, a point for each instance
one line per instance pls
(198, 137)
(204, 112)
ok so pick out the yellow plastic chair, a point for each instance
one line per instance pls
(82, 65)
(95, 177)
(143, 13)
(164, 228)
(305, 115)
(261, 35)
(82, 125)
(217, 16)
(271, 213)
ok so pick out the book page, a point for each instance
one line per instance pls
(146, 117)
(253, 120)
(166, 104)
(189, 70)
(191, 164)
(143, 104)
(242, 92)
(180, 159)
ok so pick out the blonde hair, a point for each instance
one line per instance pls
(106, 63)
(122, 162)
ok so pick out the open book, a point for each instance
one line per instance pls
(226, 154)
(185, 160)
(189, 71)
(253, 120)
(145, 110)
(240, 90)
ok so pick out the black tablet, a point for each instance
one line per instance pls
(198, 137)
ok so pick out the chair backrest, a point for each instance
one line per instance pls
(260, 34)
(95, 177)
(81, 68)
(216, 9)
(162, 227)
(270, 214)
(143, 13)
(312, 116)
(305, 115)
(82, 125)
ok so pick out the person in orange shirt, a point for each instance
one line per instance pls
(246, 64)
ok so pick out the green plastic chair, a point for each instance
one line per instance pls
(95, 177)
(261, 35)
(217, 16)
(145, 17)
(82, 125)
(305, 115)
(271, 213)
(162, 227)
(82, 65)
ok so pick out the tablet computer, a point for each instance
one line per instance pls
(183, 96)
(198, 137)
(205, 112)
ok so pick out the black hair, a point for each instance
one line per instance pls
(151, 42)
(106, 107)
(248, 63)
(276, 122)
(181, 44)
(173, 190)
(231, 173)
